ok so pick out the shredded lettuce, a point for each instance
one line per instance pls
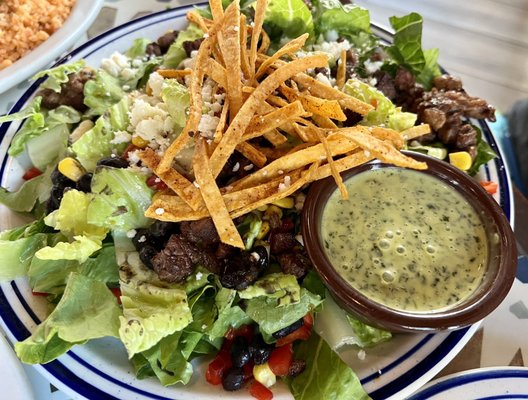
(32, 191)
(176, 97)
(326, 376)
(87, 310)
(58, 75)
(16, 255)
(102, 92)
(288, 19)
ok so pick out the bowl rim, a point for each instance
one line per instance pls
(479, 305)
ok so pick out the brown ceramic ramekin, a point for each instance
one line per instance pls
(497, 281)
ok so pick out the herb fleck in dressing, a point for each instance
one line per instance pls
(405, 239)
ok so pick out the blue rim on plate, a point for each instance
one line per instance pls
(61, 376)
(474, 379)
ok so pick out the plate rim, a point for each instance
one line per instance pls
(454, 341)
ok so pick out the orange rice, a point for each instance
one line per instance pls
(24, 24)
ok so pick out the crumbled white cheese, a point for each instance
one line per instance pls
(142, 239)
(151, 123)
(333, 49)
(115, 63)
(361, 354)
(285, 184)
(299, 201)
(199, 275)
(159, 211)
(372, 66)
(367, 153)
(248, 167)
(155, 83)
(131, 233)
(207, 125)
(121, 137)
(196, 185)
(323, 79)
(256, 256)
(236, 167)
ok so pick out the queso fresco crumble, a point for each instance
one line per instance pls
(24, 24)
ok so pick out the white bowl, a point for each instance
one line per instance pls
(79, 20)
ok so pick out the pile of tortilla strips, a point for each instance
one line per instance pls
(271, 98)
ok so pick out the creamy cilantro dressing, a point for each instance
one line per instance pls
(405, 239)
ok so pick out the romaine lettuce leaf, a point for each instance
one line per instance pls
(367, 335)
(16, 255)
(58, 75)
(102, 92)
(87, 310)
(138, 48)
(406, 49)
(176, 54)
(79, 249)
(345, 19)
(122, 197)
(326, 376)
(150, 312)
(25, 198)
(484, 153)
(176, 97)
(266, 312)
(230, 317)
(431, 69)
(288, 19)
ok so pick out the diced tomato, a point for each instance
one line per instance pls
(259, 391)
(489, 186)
(248, 370)
(303, 333)
(156, 183)
(280, 360)
(117, 293)
(129, 149)
(39, 294)
(217, 367)
(31, 173)
(374, 103)
(245, 330)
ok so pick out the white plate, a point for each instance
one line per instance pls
(81, 17)
(100, 369)
(13, 379)
(482, 383)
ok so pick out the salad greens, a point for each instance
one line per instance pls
(81, 251)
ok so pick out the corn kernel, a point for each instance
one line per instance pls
(264, 230)
(139, 142)
(286, 202)
(461, 159)
(263, 374)
(71, 169)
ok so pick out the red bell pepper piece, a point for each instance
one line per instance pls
(156, 183)
(303, 333)
(259, 391)
(217, 367)
(245, 331)
(489, 186)
(31, 173)
(281, 359)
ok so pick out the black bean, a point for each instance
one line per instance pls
(146, 253)
(84, 184)
(153, 49)
(140, 239)
(260, 350)
(116, 162)
(289, 329)
(240, 355)
(58, 179)
(233, 379)
(161, 229)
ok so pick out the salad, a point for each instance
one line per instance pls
(114, 211)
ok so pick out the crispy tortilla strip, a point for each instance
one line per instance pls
(275, 137)
(252, 154)
(174, 73)
(212, 197)
(304, 133)
(319, 89)
(325, 108)
(338, 144)
(289, 48)
(229, 42)
(416, 131)
(265, 123)
(264, 43)
(221, 123)
(173, 179)
(243, 48)
(217, 11)
(323, 122)
(343, 164)
(198, 20)
(335, 173)
(238, 126)
(389, 135)
(216, 72)
(341, 69)
(196, 101)
(382, 150)
(258, 20)
(285, 189)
